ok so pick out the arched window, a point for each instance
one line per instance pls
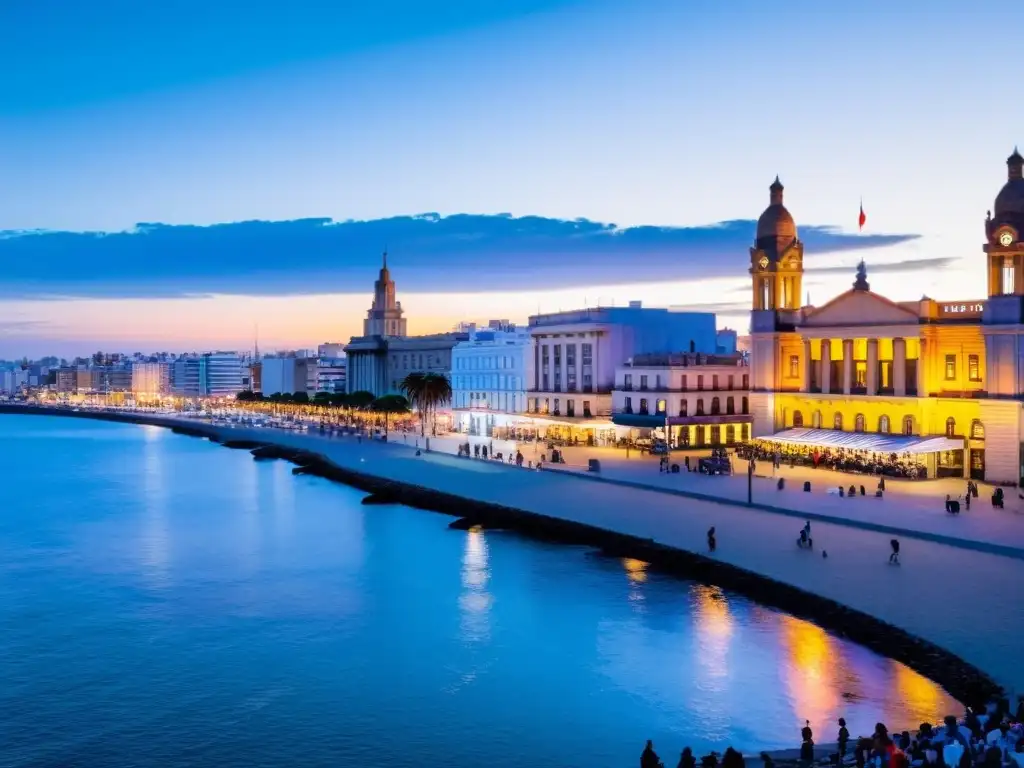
(837, 421)
(716, 406)
(883, 424)
(730, 405)
(745, 405)
(744, 432)
(950, 427)
(816, 419)
(977, 430)
(908, 425)
(798, 419)
(858, 423)
(700, 406)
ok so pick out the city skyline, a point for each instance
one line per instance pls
(657, 116)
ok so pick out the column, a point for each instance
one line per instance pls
(807, 366)
(826, 366)
(899, 367)
(872, 377)
(847, 366)
(922, 360)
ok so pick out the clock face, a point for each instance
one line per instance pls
(1005, 238)
(763, 262)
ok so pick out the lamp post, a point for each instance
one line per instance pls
(750, 481)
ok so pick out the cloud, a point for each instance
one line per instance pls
(888, 266)
(427, 253)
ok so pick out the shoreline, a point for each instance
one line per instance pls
(965, 682)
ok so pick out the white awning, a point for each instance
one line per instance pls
(872, 442)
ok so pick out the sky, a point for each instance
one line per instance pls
(177, 178)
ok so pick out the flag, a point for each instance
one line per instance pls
(862, 218)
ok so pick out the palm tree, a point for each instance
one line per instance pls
(412, 386)
(437, 391)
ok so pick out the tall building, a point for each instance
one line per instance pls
(185, 377)
(384, 318)
(286, 374)
(151, 379)
(384, 355)
(937, 383)
(490, 374)
(331, 368)
(222, 374)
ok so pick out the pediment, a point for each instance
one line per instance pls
(859, 308)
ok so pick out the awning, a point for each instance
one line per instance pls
(638, 420)
(872, 442)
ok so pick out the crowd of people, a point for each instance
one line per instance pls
(990, 739)
(842, 459)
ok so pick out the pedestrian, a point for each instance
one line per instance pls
(711, 539)
(895, 556)
(649, 758)
(844, 738)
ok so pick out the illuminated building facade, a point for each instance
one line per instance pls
(943, 379)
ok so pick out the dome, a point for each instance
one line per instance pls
(1010, 199)
(776, 223)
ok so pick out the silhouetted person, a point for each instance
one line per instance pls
(686, 759)
(712, 543)
(895, 556)
(844, 738)
(806, 743)
(733, 759)
(649, 758)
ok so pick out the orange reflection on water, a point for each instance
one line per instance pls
(636, 570)
(813, 672)
(923, 699)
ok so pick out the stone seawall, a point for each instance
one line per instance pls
(963, 681)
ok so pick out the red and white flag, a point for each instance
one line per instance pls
(862, 219)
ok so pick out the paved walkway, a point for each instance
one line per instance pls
(963, 600)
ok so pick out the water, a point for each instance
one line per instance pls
(164, 600)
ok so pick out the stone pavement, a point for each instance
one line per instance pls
(964, 600)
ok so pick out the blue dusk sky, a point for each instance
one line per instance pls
(173, 175)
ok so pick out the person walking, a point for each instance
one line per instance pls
(895, 556)
(712, 543)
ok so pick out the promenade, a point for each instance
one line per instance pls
(960, 599)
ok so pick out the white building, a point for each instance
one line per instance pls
(703, 400)
(222, 374)
(577, 353)
(491, 372)
(151, 379)
(285, 374)
(331, 368)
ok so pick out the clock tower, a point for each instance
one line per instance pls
(776, 270)
(1003, 233)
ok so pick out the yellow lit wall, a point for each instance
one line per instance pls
(790, 345)
(960, 342)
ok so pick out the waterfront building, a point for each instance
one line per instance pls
(222, 374)
(577, 353)
(490, 374)
(937, 382)
(185, 376)
(256, 376)
(66, 380)
(689, 400)
(151, 379)
(384, 355)
(286, 374)
(331, 368)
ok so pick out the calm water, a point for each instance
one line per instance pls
(167, 601)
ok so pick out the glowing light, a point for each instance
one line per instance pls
(636, 570)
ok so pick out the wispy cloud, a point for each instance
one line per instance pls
(428, 252)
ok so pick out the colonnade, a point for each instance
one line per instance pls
(899, 385)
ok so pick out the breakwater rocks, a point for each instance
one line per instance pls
(963, 681)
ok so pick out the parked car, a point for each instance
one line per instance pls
(717, 463)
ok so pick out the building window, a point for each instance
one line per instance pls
(977, 430)
(730, 434)
(745, 404)
(950, 427)
(700, 383)
(570, 408)
(682, 385)
(730, 405)
(837, 421)
(586, 407)
(682, 407)
(716, 434)
(950, 367)
(662, 405)
(859, 423)
(1009, 278)
(798, 419)
(643, 406)
(816, 420)
(746, 381)
(973, 368)
(714, 382)
(716, 406)
(744, 432)
(732, 382)
(629, 405)
(700, 406)
(908, 425)
(883, 424)
(627, 381)
(557, 411)
(643, 383)
(794, 366)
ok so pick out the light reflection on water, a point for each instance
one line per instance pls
(170, 600)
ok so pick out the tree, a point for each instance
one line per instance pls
(360, 399)
(413, 387)
(300, 397)
(427, 391)
(247, 396)
(390, 405)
